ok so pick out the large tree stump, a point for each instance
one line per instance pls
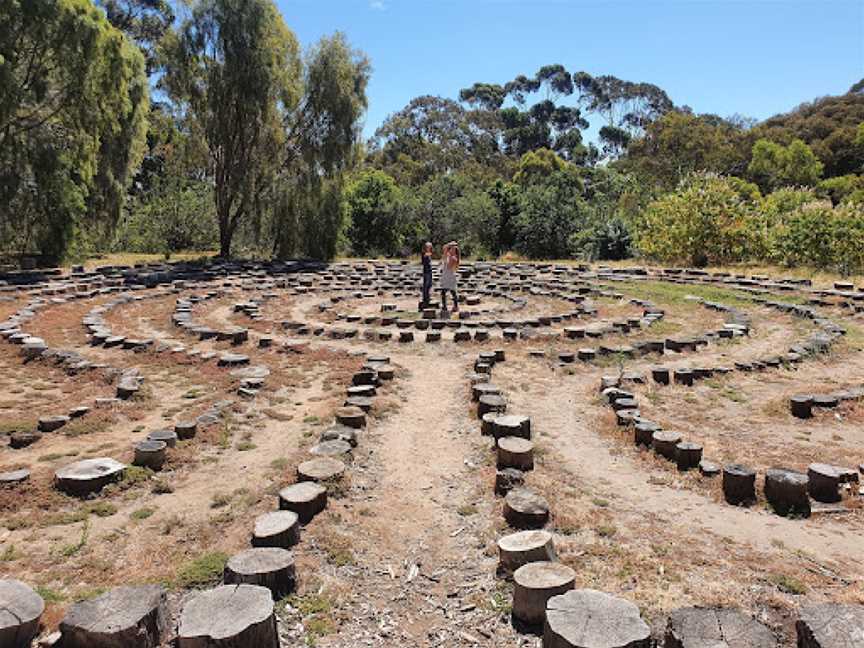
(229, 616)
(511, 425)
(19, 440)
(150, 454)
(739, 484)
(515, 452)
(322, 469)
(508, 479)
(703, 627)
(270, 567)
(487, 423)
(185, 429)
(351, 416)
(121, 617)
(524, 509)
(591, 619)
(643, 433)
(491, 403)
(276, 529)
(13, 477)
(688, 455)
(830, 625)
(52, 423)
(786, 491)
(88, 476)
(534, 584)
(20, 611)
(665, 443)
(523, 547)
(801, 406)
(306, 499)
(824, 483)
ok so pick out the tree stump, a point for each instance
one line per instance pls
(483, 389)
(229, 616)
(481, 335)
(830, 625)
(306, 499)
(18, 440)
(709, 468)
(279, 529)
(684, 377)
(660, 375)
(590, 619)
(702, 627)
(566, 357)
(508, 479)
(336, 448)
(321, 469)
(827, 401)
(515, 452)
(500, 356)
(524, 509)
(433, 336)
(824, 483)
(185, 429)
(523, 547)
(365, 403)
(168, 437)
(88, 476)
(739, 484)
(150, 454)
(20, 611)
(270, 567)
(487, 423)
(534, 584)
(665, 443)
(52, 423)
(14, 477)
(643, 433)
(340, 433)
(491, 403)
(510, 333)
(786, 491)
(122, 616)
(801, 406)
(352, 417)
(233, 360)
(688, 455)
(511, 425)
(586, 354)
(78, 412)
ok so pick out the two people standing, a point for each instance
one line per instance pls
(450, 259)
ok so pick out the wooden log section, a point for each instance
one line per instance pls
(524, 509)
(123, 616)
(523, 547)
(88, 476)
(351, 416)
(830, 625)
(534, 584)
(276, 529)
(591, 619)
(786, 492)
(321, 469)
(515, 452)
(688, 455)
(824, 482)
(270, 567)
(491, 403)
(20, 611)
(508, 479)
(150, 454)
(695, 627)
(511, 425)
(229, 616)
(739, 484)
(801, 406)
(664, 443)
(306, 499)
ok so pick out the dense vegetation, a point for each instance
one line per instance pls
(254, 148)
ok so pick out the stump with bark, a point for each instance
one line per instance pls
(508, 479)
(20, 611)
(168, 437)
(830, 625)
(523, 547)
(352, 417)
(801, 406)
(123, 616)
(534, 584)
(515, 452)
(739, 484)
(306, 499)
(588, 619)
(336, 448)
(786, 492)
(229, 616)
(665, 443)
(824, 482)
(276, 529)
(150, 454)
(270, 567)
(694, 627)
(511, 425)
(688, 455)
(321, 469)
(525, 509)
(88, 476)
(185, 429)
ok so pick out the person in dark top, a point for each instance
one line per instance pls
(426, 258)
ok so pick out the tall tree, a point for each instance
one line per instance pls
(235, 68)
(774, 165)
(145, 22)
(73, 106)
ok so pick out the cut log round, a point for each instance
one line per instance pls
(824, 483)
(664, 443)
(702, 627)
(122, 616)
(524, 509)
(739, 484)
(515, 452)
(487, 423)
(321, 469)
(523, 547)
(786, 491)
(351, 416)
(337, 448)
(708, 468)
(306, 499)
(185, 429)
(52, 423)
(229, 616)
(643, 433)
(801, 406)
(88, 476)
(483, 389)
(491, 403)
(18, 440)
(511, 425)
(508, 479)
(20, 611)
(270, 567)
(150, 454)
(14, 477)
(534, 584)
(830, 625)
(169, 437)
(276, 529)
(340, 432)
(590, 619)
(688, 455)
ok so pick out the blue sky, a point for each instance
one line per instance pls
(753, 58)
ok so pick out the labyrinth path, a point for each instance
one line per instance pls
(292, 454)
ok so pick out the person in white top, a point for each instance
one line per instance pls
(450, 259)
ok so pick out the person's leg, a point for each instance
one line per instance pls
(443, 299)
(427, 287)
(455, 300)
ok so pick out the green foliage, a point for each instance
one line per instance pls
(774, 165)
(537, 166)
(143, 21)
(376, 206)
(550, 215)
(706, 221)
(202, 571)
(847, 188)
(820, 236)
(73, 106)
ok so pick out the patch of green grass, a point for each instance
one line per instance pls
(279, 464)
(312, 420)
(788, 584)
(136, 475)
(467, 509)
(500, 602)
(161, 487)
(220, 499)
(49, 595)
(202, 571)
(606, 531)
(244, 446)
(88, 593)
(67, 551)
(142, 513)
(64, 518)
(599, 501)
(101, 509)
(10, 553)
